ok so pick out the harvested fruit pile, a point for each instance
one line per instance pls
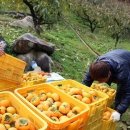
(108, 91)
(11, 120)
(50, 104)
(78, 93)
(34, 77)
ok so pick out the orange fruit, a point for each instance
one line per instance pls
(86, 100)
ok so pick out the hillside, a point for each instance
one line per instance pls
(71, 56)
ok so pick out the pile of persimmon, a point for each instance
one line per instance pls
(34, 76)
(11, 120)
(52, 106)
(108, 91)
(78, 93)
(107, 115)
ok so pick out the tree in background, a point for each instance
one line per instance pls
(112, 16)
(118, 20)
(91, 13)
(44, 12)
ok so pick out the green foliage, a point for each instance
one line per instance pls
(118, 19)
(48, 10)
(92, 15)
(12, 5)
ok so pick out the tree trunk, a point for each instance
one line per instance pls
(117, 40)
(35, 18)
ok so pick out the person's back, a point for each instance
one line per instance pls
(113, 67)
(118, 55)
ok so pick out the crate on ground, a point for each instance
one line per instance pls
(11, 69)
(71, 123)
(32, 78)
(109, 91)
(23, 110)
(96, 108)
(7, 86)
(107, 123)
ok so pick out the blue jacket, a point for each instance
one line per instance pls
(119, 62)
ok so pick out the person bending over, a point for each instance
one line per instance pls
(113, 67)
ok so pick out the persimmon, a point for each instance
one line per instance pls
(105, 90)
(41, 92)
(110, 93)
(79, 97)
(7, 118)
(45, 105)
(93, 93)
(5, 103)
(112, 90)
(29, 96)
(2, 110)
(76, 91)
(23, 124)
(64, 108)
(106, 115)
(58, 103)
(86, 100)
(55, 119)
(48, 113)
(7, 126)
(76, 110)
(55, 97)
(85, 94)
(94, 98)
(56, 112)
(70, 114)
(49, 94)
(16, 116)
(40, 107)
(50, 100)
(11, 110)
(2, 127)
(35, 101)
(43, 97)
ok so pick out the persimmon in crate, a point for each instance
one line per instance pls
(14, 115)
(107, 122)
(32, 78)
(109, 91)
(60, 111)
(96, 100)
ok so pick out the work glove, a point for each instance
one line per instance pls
(115, 116)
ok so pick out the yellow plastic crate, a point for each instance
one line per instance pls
(23, 110)
(73, 123)
(96, 108)
(111, 95)
(11, 68)
(7, 86)
(108, 125)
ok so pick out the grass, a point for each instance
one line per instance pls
(71, 57)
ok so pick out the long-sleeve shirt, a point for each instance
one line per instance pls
(119, 63)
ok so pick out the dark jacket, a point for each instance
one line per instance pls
(119, 62)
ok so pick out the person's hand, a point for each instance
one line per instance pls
(115, 116)
(2, 52)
